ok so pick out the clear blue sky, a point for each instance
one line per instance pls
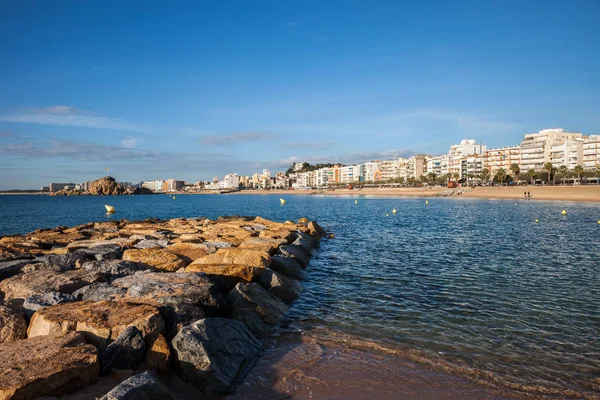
(190, 90)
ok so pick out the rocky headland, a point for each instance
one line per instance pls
(106, 186)
(135, 304)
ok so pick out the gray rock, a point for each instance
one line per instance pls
(213, 354)
(69, 260)
(126, 352)
(178, 316)
(296, 253)
(111, 251)
(151, 244)
(13, 267)
(288, 267)
(287, 289)
(37, 301)
(174, 288)
(218, 245)
(144, 386)
(112, 269)
(251, 304)
(303, 242)
(99, 292)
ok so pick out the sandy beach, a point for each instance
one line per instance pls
(559, 193)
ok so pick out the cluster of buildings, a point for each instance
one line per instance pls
(467, 160)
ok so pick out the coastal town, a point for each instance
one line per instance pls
(548, 156)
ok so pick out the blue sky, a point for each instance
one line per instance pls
(190, 90)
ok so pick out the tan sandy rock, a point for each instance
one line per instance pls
(47, 366)
(265, 244)
(155, 258)
(239, 273)
(234, 255)
(190, 251)
(285, 234)
(12, 325)
(158, 355)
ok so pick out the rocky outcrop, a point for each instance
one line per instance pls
(258, 309)
(141, 190)
(12, 326)
(100, 322)
(106, 186)
(213, 354)
(287, 289)
(46, 366)
(155, 258)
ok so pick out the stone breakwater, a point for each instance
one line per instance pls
(142, 301)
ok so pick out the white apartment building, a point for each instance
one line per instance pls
(536, 148)
(472, 165)
(350, 173)
(155, 186)
(591, 152)
(388, 169)
(323, 176)
(458, 151)
(230, 181)
(302, 180)
(502, 157)
(370, 170)
(437, 165)
(173, 185)
(569, 153)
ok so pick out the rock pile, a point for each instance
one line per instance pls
(106, 186)
(144, 300)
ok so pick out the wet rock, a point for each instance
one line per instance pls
(191, 251)
(37, 301)
(155, 259)
(12, 326)
(46, 366)
(303, 242)
(113, 269)
(99, 292)
(287, 289)
(144, 386)
(295, 253)
(100, 322)
(151, 244)
(176, 288)
(40, 282)
(237, 256)
(213, 354)
(288, 267)
(251, 304)
(126, 352)
(232, 272)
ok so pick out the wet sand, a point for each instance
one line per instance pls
(306, 366)
(559, 193)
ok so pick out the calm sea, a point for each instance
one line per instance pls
(476, 286)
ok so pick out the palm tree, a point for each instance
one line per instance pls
(579, 171)
(456, 176)
(516, 170)
(448, 177)
(485, 175)
(532, 174)
(501, 175)
(562, 172)
(431, 176)
(548, 168)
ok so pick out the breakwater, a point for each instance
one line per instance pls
(144, 301)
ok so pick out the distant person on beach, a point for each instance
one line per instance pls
(529, 195)
(525, 195)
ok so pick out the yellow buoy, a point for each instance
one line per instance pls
(303, 221)
(394, 211)
(537, 220)
(282, 201)
(109, 209)
(564, 212)
(599, 221)
(355, 201)
(174, 197)
(387, 215)
(426, 201)
(515, 204)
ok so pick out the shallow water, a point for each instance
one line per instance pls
(471, 287)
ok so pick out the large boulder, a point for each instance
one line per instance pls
(100, 323)
(109, 251)
(12, 326)
(315, 230)
(251, 304)
(214, 353)
(38, 301)
(112, 269)
(155, 258)
(126, 352)
(99, 292)
(142, 386)
(284, 234)
(287, 289)
(40, 282)
(296, 253)
(237, 256)
(232, 272)
(46, 366)
(191, 251)
(288, 267)
(268, 245)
